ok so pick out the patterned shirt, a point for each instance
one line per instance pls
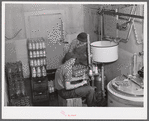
(63, 74)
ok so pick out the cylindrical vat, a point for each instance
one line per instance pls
(119, 99)
(104, 51)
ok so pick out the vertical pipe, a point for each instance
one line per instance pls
(134, 64)
(89, 54)
(131, 24)
(101, 28)
(102, 69)
(116, 10)
(92, 80)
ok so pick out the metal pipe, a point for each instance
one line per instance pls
(130, 27)
(92, 80)
(116, 22)
(101, 28)
(135, 64)
(109, 12)
(131, 78)
(89, 54)
(129, 20)
(128, 35)
(102, 77)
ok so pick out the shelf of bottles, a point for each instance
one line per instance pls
(37, 57)
(37, 64)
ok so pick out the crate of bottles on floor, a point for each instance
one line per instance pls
(16, 87)
(52, 91)
(21, 101)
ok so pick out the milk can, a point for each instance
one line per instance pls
(98, 82)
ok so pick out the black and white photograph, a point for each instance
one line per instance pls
(74, 60)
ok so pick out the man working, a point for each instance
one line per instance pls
(63, 83)
(78, 49)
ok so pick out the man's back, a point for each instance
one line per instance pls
(62, 73)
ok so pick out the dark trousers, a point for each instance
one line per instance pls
(83, 91)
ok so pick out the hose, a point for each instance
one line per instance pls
(13, 36)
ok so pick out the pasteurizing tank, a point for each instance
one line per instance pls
(123, 92)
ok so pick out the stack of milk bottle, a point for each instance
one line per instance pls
(37, 57)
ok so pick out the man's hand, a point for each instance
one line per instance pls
(84, 82)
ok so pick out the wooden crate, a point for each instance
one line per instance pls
(72, 102)
(15, 83)
(40, 96)
(22, 101)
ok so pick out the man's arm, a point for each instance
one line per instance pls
(79, 78)
(73, 86)
(72, 45)
(71, 79)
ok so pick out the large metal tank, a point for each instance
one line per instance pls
(124, 93)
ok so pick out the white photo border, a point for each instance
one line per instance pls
(80, 112)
